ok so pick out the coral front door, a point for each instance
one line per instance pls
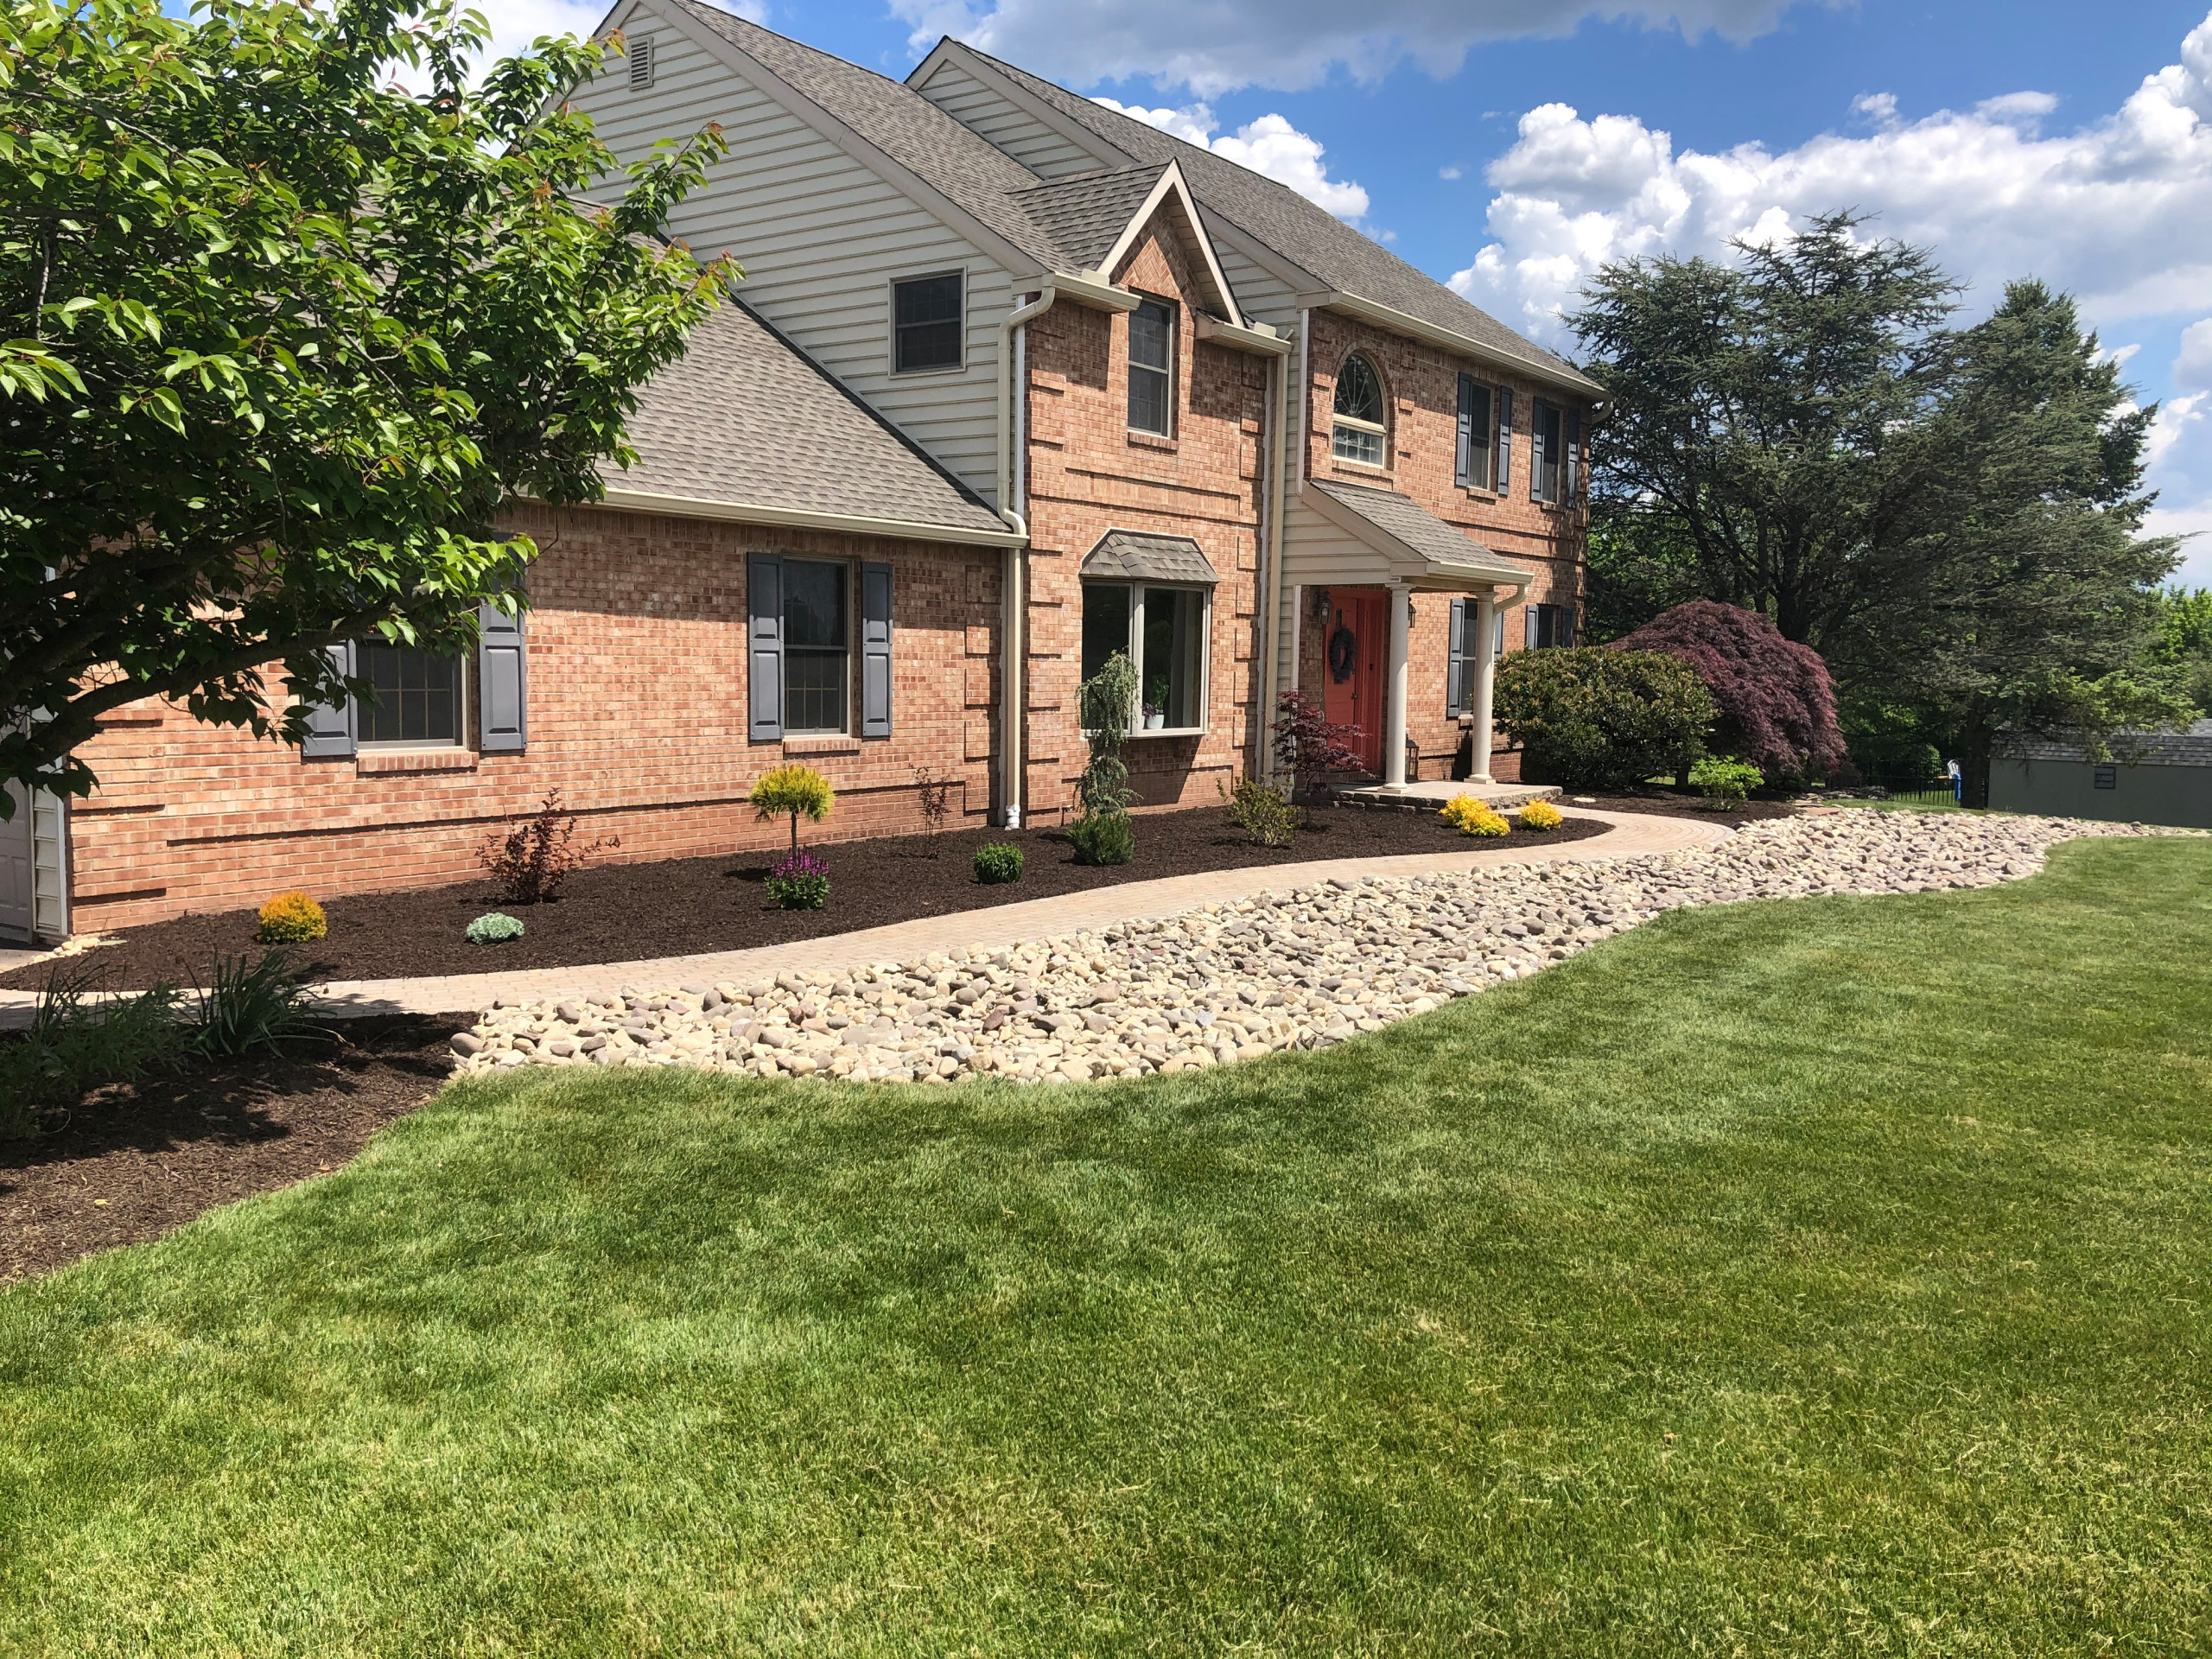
(1353, 674)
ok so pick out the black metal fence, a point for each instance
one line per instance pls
(1914, 789)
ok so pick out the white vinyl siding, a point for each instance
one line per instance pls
(1262, 296)
(821, 236)
(1037, 144)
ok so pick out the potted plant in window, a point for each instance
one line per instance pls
(1155, 705)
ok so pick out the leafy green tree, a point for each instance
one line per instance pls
(2181, 641)
(282, 339)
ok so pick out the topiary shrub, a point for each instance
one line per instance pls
(291, 918)
(997, 863)
(1262, 811)
(1596, 717)
(1473, 818)
(799, 882)
(1777, 705)
(1725, 780)
(1539, 815)
(495, 929)
(1104, 838)
(796, 789)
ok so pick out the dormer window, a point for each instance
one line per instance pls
(1359, 430)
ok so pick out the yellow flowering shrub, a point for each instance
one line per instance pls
(1473, 818)
(291, 918)
(1539, 814)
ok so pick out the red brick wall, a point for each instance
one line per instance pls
(636, 715)
(1421, 384)
(1088, 474)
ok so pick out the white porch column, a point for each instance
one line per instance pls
(1394, 716)
(1485, 660)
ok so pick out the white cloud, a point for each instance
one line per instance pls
(516, 24)
(2175, 418)
(2193, 367)
(2119, 211)
(1448, 173)
(1287, 44)
(1269, 145)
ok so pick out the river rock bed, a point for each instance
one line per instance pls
(1237, 981)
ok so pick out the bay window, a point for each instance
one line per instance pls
(1162, 631)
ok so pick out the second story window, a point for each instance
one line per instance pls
(926, 324)
(1476, 439)
(1359, 430)
(1555, 453)
(1152, 368)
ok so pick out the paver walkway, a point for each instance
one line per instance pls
(1631, 834)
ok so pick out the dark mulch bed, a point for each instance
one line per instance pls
(1683, 803)
(625, 913)
(136, 1162)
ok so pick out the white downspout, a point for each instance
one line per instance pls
(1014, 643)
(1289, 480)
(1277, 501)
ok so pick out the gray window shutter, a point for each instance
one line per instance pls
(1531, 614)
(1456, 686)
(1536, 456)
(1569, 461)
(330, 727)
(502, 682)
(876, 651)
(1567, 625)
(764, 652)
(1504, 440)
(1464, 461)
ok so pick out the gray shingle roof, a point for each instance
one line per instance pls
(2191, 746)
(744, 419)
(1085, 215)
(1309, 236)
(1137, 556)
(1406, 522)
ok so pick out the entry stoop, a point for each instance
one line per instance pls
(1431, 797)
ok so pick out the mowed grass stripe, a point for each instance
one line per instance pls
(1803, 1277)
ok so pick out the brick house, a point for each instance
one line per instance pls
(1012, 381)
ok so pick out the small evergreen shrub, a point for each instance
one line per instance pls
(1725, 780)
(798, 790)
(291, 918)
(1775, 702)
(997, 863)
(1600, 718)
(1104, 838)
(799, 882)
(1539, 815)
(1262, 811)
(256, 1007)
(495, 929)
(1473, 818)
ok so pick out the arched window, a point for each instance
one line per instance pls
(1359, 430)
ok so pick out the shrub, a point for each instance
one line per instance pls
(1539, 814)
(934, 792)
(1595, 717)
(76, 1043)
(1777, 705)
(799, 882)
(1308, 745)
(1725, 780)
(292, 919)
(529, 860)
(1262, 811)
(1473, 818)
(495, 929)
(998, 863)
(250, 1008)
(794, 789)
(1106, 838)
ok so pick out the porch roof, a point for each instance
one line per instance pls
(1420, 547)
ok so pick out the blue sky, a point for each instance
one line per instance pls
(1510, 146)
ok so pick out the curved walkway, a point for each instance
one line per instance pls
(1633, 834)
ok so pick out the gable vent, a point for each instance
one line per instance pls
(641, 63)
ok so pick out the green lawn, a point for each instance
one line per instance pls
(1812, 1277)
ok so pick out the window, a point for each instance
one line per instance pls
(1544, 461)
(1471, 468)
(1359, 430)
(1163, 632)
(640, 51)
(2106, 777)
(926, 324)
(1152, 368)
(1550, 625)
(418, 695)
(816, 646)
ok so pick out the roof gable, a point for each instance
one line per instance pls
(1097, 218)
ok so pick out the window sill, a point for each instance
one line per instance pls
(376, 763)
(822, 743)
(1167, 731)
(1152, 441)
(1359, 468)
(922, 374)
